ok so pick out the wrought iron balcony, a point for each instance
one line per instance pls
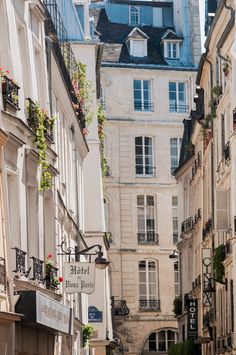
(178, 108)
(10, 92)
(187, 225)
(143, 106)
(148, 238)
(228, 248)
(2, 275)
(20, 262)
(150, 305)
(145, 170)
(33, 120)
(51, 277)
(120, 308)
(37, 269)
(227, 153)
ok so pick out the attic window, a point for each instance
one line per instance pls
(138, 48)
(133, 15)
(171, 49)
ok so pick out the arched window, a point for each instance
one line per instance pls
(148, 290)
(161, 340)
(133, 15)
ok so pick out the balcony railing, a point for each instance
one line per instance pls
(33, 120)
(37, 269)
(178, 108)
(10, 92)
(20, 262)
(120, 308)
(148, 238)
(197, 164)
(227, 153)
(150, 305)
(189, 224)
(51, 277)
(143, 106)
(2, 275)
(145, 170)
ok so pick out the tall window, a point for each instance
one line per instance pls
(133, 15)
(176, 278)
(142, 95)
(144, 156)
(175, 147)
(146, 218)
(161, 341)
(148, 285)
(102, 98)
(175, 219)
(177, 97)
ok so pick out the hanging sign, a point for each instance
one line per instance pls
(192, 330)
(79, 277)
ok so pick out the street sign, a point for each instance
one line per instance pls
(79, 277)
(94, 315)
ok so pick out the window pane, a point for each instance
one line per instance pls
(139, 169)
(142, 265)
(151, 265)
(152, 342)
(140, 200)
(150, 200)
(174, 201)
(138, 140)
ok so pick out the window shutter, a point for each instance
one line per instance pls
(222, 213)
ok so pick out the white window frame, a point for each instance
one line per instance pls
(169, 49)
(102, 97)
(150, 98)
(145, 208)
(166, 339)
(179, 144)
(148, 281)
(179, 107)
(137, 15)
(144, 156)
(144, 48)
(175, 219)
(176, 278)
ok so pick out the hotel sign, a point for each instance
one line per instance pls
(79, 277)
(192, 329)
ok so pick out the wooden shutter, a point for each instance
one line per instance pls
(222, 210)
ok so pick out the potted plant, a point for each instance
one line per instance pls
(52, 280)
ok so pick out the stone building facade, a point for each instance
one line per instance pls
(45, 180)
(148, 73)
(206, 248)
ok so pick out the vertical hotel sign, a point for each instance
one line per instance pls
(192, 330)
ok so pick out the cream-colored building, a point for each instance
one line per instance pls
(43, 130)
(207, 249)
(147, 80)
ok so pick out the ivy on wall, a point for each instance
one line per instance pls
(88, 331)
(218, 267)
(101, 120)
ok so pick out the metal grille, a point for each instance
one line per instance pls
(20, 261)
(2, 275)
(10, 92)
(150, 305)
(37, 269)
(148, 238)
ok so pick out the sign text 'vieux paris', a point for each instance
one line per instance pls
(79, 277)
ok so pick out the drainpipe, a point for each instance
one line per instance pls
(49, 65)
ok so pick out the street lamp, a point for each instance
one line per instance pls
(174, 255)
(100, 261)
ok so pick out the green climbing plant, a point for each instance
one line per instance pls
(101, 120)
(184, 348)
(218, 267)
(83, 92)
(88, 331)
(177, 303)
(39, 139)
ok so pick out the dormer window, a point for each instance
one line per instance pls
(171, 45)
(134, 15)
(137, 43)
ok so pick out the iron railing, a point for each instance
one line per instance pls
(148, 238)
(20, 262)
(150, 305)
(145, 170)
(2, 275)
(37, 269)
(178, 108)
(143, 106)
(51, 277)
(187, 225)
(197, 164)
(207, 229)
(120, 308)
(228, 248)
(10, 92)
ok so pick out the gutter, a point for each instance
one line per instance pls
(147, 66)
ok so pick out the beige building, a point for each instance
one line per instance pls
(206, 248)
(147, 83)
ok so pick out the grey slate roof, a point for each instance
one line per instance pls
(114, 35)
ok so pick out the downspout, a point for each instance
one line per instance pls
(49, 65)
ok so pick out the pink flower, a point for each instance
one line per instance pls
(7, 71)
(50, 256)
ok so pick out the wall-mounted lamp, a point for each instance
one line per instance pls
(100, 261)
(174, 255)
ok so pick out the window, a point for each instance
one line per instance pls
(172, 50)
(138, 48)
(175, 219)
(133, 15)
(144, 156)
(148, 285)
(175, 147)
(176, 278)
(161, 341)
(177, 97)
(146, 218)
(142, 95)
